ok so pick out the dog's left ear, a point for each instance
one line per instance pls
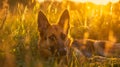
(64, 21)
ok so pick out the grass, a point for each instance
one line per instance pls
(19, 41)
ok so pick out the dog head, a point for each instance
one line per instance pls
(53, 37)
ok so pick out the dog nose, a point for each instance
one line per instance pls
(62, 51)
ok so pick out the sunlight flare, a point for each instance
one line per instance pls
(102, 2)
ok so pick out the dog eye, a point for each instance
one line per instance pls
(52, 37)
(63, 36)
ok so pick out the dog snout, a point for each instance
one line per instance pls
(62, 51)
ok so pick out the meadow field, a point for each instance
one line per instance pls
(19, 35)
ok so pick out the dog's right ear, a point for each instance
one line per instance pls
(43, 23)
(64, 21)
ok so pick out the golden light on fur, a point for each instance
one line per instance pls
(65, 25)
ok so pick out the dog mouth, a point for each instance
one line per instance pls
(61, 51)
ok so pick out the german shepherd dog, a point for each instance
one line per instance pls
(53, 38)
(102, 48)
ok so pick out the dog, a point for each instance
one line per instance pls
(53, 38)
(90, 47)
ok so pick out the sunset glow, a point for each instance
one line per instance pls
(97, 1)
(103, 2)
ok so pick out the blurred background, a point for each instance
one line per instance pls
(90, 19)
(97, 18)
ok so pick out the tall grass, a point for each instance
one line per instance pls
(19, 39)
